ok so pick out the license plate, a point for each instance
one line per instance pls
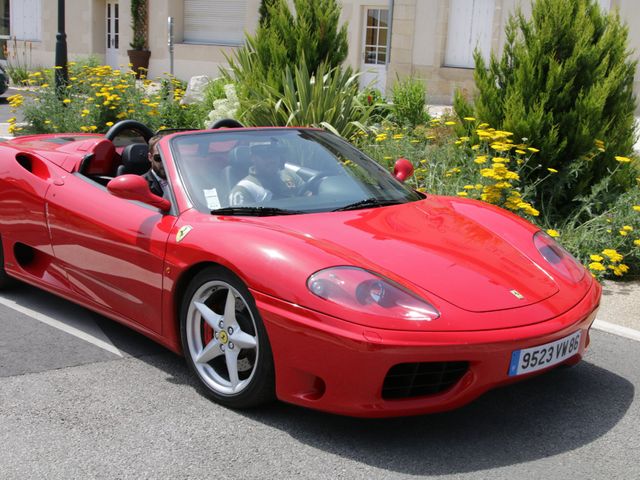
(543, 356)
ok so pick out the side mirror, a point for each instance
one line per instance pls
(134, 187)
(402, 169)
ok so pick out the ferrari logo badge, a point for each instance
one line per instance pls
(183, 233)
(517, 294)
(223, 337)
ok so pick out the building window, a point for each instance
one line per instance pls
(376, 34)
(470, 26)
(26, 20)
(215, 21)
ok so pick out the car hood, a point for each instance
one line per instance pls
(428, 246)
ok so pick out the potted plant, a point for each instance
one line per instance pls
(139, 53)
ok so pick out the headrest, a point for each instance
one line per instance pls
(135, 159)
(240, 157)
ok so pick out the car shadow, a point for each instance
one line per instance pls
(557, 412)
(554, 413)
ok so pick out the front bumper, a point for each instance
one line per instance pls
(328, 364)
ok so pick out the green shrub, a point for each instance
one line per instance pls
(309, 38)
(18, 63)
(381, 110)
(329, 99)
(565, 83)
(409, 97)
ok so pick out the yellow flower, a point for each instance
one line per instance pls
(622, 159)
(462, 194)
(597, 266)
(481, 159)
(636, 242)
(619, 270)
(624, 233)
(596, 258)
(552, 170)
(470, 119)
(553, 233)
(521, 152)
(108, 124)
(533, 150)
(44, 85)
(627, 228)
(614, 256)
(636, 208)
(66, 100)
(397, 136)
(468, 187)
(450, 123)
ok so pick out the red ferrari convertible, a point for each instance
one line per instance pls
(283, 263)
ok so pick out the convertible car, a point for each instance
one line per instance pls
(345, 291)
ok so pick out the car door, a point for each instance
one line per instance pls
(112, 249)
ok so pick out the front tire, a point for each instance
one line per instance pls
(225, 342)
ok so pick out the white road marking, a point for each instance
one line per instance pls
(619, 330)
(84, 329)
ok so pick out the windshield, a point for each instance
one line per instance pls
(281, 171)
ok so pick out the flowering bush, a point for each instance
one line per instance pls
(226, 107)
(97, 97)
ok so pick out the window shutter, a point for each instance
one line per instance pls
(470, 26)
(26, 20)
(215, 21)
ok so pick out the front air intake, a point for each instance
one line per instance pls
(407, 380)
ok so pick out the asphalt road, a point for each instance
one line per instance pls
(81, 397)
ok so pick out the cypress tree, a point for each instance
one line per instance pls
(564, 82)
(309, 37)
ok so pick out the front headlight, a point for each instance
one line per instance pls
(364, 292)
(562, 261)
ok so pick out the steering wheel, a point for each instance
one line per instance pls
(124, 125)
(226, 123)
(310, 186)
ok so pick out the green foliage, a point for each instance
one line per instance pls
(409, 97)
(312, 36)
(18, 61)
(329, 99)
(213, 91)
(565, 83)
(264, 11)
(615, 231)
(139, 24)
(381, 109)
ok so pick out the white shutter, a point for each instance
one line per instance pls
(470, 26)
(215, 21)
(26, 20)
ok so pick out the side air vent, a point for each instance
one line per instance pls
(33, 165)
(25, 162)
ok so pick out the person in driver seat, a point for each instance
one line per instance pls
(156, 176)
(267, 179)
